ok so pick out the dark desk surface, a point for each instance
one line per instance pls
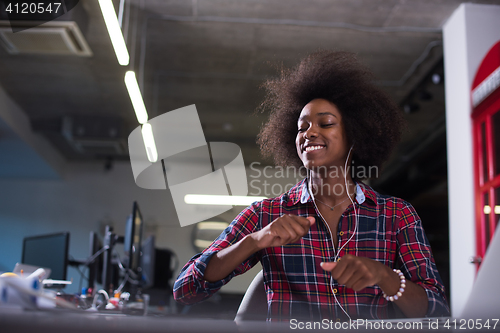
(44, 321)
(16, 320)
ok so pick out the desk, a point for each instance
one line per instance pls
(15, 320)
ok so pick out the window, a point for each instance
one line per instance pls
(486, 142)
(486, 135)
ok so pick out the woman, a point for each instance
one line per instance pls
(331, 247)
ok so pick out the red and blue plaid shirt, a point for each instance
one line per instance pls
(389, 231)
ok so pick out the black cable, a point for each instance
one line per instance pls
(82, 275)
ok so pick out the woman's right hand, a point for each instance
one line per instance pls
(284, 230)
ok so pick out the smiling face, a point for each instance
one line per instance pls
(321, 139)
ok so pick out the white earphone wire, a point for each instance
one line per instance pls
(355, 224)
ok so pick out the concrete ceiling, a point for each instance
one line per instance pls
(216, 53)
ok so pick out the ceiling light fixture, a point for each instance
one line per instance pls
(212, 225)
(149, 142)
(136, 97)
(233, 200)
(436, 78)
(115, 33)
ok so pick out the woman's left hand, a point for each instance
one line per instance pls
(356, 272)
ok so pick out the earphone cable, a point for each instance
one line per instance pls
(336, 253)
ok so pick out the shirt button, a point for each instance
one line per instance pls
(335, 290)
(338, 320)
(341, 233)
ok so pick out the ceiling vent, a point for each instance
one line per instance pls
(98, 136)
(54, 37)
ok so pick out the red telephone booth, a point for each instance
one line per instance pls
(486, 141)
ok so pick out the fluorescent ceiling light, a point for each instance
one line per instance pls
(135, 96)
(115, 33)
(149, 142)
(202, 243)
(212, 225)
(207, 199)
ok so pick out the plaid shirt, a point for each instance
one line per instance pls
(389, 231)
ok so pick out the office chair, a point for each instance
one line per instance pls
(253, 306)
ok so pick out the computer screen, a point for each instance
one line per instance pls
(50, 251)
(95, 267)
(148, 262)
(133, 238)
(165, 266)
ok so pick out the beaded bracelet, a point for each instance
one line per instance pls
(402, 287)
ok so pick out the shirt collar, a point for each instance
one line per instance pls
(300, 193)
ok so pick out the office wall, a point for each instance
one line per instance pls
(468, 35)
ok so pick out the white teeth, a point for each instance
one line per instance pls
(311, 148)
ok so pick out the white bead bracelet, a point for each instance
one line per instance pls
(402, 287)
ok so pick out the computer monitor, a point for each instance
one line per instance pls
(50, 251)
(165, 266)
(133, 238)
(95, 267)
(148, 262)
